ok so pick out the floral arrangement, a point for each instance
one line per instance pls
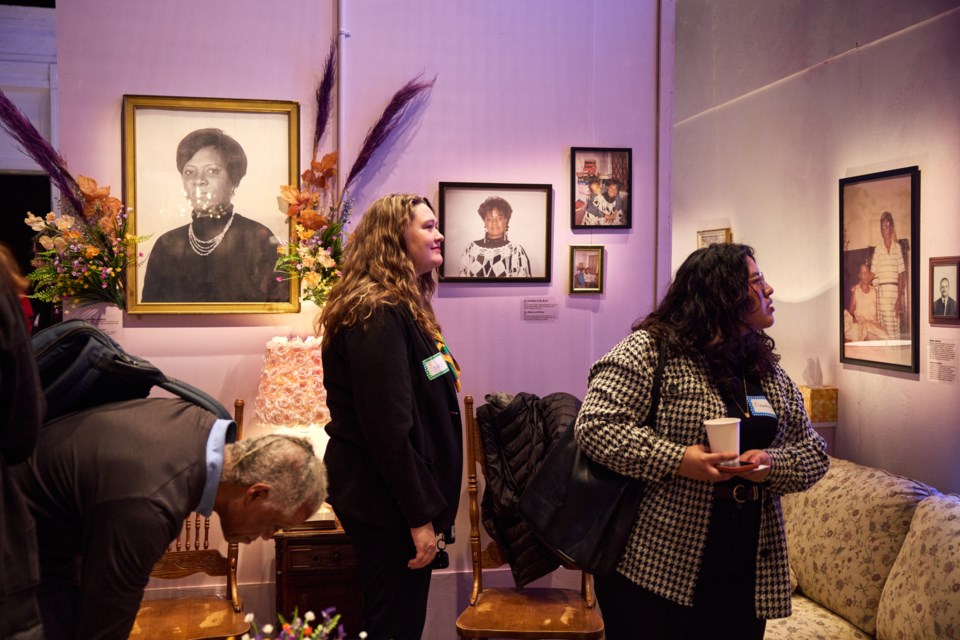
(328, 627)
(83, 258)
(83, 252)
(316, 251)
(317, 210)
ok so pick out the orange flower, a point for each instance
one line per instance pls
(296, 200)
(311, 219)
(97, 201)
(319, 172)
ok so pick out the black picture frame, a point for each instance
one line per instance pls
(268, 132)
(521, 254)
(609, 168)
(944, 271)
(877, 209)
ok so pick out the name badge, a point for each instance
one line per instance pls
(760, 406)
(435, 366)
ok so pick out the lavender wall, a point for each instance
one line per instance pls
(518, 84)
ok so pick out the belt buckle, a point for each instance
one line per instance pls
(736, 496)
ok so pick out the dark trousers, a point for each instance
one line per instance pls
(394, 596)
(723, 606)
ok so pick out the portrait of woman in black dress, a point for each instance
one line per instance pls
(220, 255)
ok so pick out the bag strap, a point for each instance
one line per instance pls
(651, 420)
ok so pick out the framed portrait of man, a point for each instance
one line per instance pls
(202, 177)
(943, 290)
(879, 269)
(495, 232)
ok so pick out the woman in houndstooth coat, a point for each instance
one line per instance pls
(707, 556)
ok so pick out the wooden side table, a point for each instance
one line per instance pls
(316, 569)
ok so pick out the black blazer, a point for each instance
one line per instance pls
(395, 456)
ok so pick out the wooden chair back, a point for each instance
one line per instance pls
(192, 618)
(511, 613)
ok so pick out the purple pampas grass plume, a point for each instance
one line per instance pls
(35, 145)
(388, 121)
(324, 94)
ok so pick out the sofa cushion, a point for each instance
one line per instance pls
(844, 533)
(810, 621)
(922, 595)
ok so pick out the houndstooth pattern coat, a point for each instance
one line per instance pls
(668, 538)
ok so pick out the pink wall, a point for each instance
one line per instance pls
(518, 84)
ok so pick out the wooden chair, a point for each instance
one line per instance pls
(509, 613)
(192, 618)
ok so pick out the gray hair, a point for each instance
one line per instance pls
(288, 464)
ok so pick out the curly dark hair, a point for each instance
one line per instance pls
(495, 202)
(704, 311)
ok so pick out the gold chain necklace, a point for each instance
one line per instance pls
(745, 411)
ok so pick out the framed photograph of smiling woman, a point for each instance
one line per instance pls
(495, 232)
(600, 188)
(202, 177)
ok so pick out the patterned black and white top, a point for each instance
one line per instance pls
(494, 259)
(668, 538)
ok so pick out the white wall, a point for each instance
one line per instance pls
(775, 102)
(518, 84)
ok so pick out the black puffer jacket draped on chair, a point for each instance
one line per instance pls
(516, 433)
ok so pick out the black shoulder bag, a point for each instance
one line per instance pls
(583, 511)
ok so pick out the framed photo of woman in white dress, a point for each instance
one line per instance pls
(202, 177)
(495, 232)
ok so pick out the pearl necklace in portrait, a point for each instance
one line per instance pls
(206, 247)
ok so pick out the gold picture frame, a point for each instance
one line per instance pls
(188, 276)
(586, 268)
(714, 236)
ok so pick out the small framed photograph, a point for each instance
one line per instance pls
(714, 236)
(586, 268)
(495, 232)
(202, 177)
(880, 269)
(601, 188)
(943, 290)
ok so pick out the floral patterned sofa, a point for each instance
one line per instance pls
(873, 555)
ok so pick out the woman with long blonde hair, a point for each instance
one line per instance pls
(395, 453)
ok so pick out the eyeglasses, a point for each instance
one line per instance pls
(757, 279)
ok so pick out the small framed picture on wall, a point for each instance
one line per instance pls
(586, 268)
(943, 290)
(600, 188)
(495, 232)
(714, 236)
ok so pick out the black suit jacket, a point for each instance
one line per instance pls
(950, 310)
(395, 454)
(21, 412)
(110, 486)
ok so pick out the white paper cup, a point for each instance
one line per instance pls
(724, 436)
